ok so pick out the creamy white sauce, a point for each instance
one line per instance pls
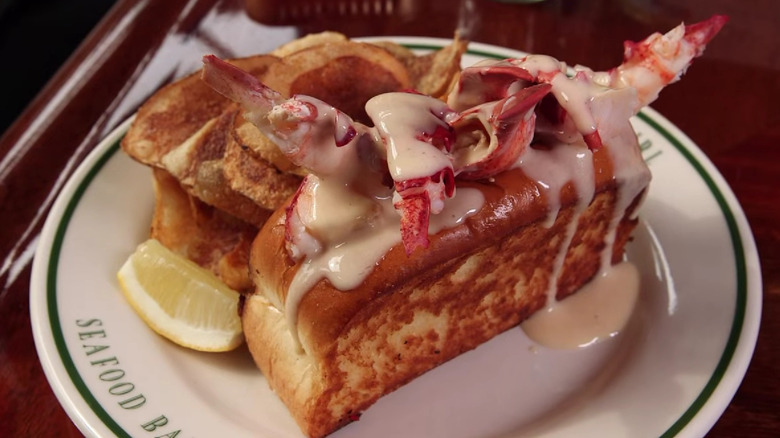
(551, 170)
(540, 64)
(335, 210)
(347, 260)
(557, 166)
(598, 311)
(400, 119)
(344, 264)
(612, 110)
(356, 230)
(575, 98)
(591, 108)
(466, 202)
(560, 258)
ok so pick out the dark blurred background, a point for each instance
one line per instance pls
(36, 38)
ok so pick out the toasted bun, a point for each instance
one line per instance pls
(413, 313)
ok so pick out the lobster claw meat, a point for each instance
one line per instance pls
(494, 134)
(497, 81)
(658, 60)
(415, 217)
(418, 138)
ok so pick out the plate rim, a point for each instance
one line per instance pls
(43, 278)
(747, 310)
(712, 400)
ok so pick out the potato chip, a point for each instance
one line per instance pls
(209, 237)
(217, 177)
(249, 137)
(434, 73)
(257, 178)
(308, 41)
(344, 74)
(198, 165)
(178, 110)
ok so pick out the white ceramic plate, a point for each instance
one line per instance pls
(671, 373)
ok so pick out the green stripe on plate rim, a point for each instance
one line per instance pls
(482, 53)
(51, 294)
(687, 416)
(739, 257)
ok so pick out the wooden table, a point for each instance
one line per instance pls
(728, 104)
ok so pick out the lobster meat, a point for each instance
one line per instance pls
(659, 60)
(420, 145)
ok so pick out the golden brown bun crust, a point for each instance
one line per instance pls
(412, 314)
(512, 201)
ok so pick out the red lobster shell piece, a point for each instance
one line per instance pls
(416, 200)
(701, 33)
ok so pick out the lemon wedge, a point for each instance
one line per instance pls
(180, 300)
